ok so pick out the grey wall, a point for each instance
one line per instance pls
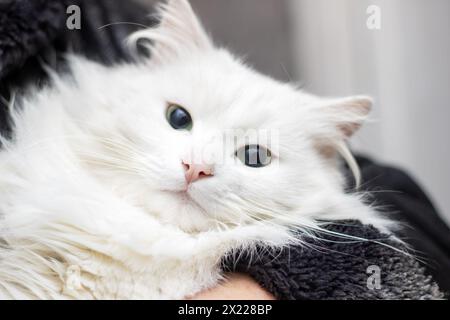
(256, 29)
(405, 66)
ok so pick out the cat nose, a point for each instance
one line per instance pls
(195, 172)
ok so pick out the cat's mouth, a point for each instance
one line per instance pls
(187, 199)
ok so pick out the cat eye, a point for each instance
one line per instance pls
(179, 118)
(254, 156)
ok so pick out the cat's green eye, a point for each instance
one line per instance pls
(179, 118)
(254, 156)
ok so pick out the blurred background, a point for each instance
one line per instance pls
(328, 48)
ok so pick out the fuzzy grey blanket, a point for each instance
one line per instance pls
(339, 268)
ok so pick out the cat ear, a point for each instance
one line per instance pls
(346, 116)
(337, 120)
(179, 33)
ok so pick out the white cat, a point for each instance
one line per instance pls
(103, 194)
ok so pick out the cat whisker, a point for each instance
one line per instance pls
(124, 23)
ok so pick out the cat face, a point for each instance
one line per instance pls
(204, 141)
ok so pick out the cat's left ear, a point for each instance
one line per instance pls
(178, 34)
(344, 117)
(337, 120)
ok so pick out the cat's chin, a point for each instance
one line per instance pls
(186, 200)
(178, 208)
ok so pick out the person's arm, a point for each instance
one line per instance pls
(238, 286)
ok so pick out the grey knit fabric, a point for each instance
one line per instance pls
(338, 268)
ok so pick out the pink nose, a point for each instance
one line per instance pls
(196, 172)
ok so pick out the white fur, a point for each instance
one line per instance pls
(91, 184)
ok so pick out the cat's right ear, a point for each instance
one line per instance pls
(178, 34)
